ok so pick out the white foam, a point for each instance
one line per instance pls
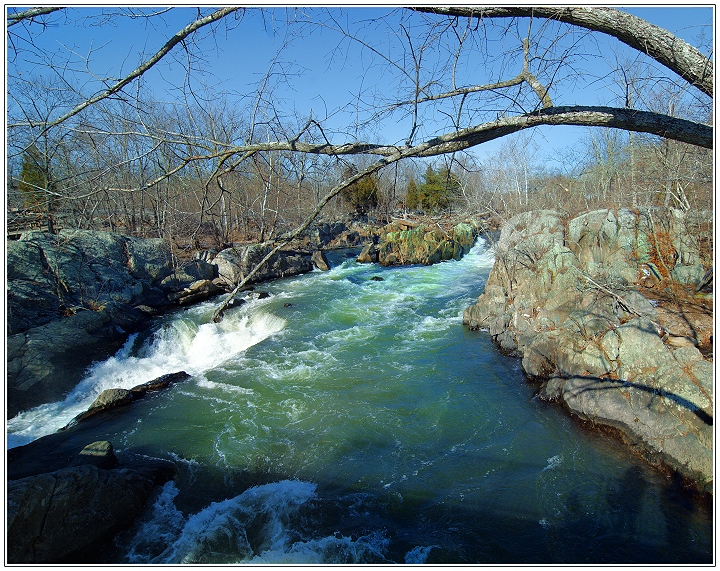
(182, 345)
(418, 555)
(212, 385)
(253, 527)
(553, 462)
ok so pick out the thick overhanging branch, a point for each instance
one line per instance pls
(664, 47)
(620, 118)
(629, 119)
(658, 124)
(17, 17)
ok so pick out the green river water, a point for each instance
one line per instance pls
(347, 419)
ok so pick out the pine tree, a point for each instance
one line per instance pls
(439, 190)
(412, 200)
(362, 195)
(366, 194)
(33, 179)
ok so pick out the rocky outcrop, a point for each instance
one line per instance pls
(72, 298)
(45, 362)
(405, 242)
(233, 264)
(50, 276)
(567, 297)
(59, 516)
(197, 291)
(69, 493)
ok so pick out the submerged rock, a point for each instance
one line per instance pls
(113, 398)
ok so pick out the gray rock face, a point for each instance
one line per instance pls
(51, 517)
(70, 300)
(51, 275)
(563, 298)
(45, 362)
(233, 264)
(329, 235)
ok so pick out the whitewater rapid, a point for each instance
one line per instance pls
(190, 343)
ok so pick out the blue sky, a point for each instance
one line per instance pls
(235, 60)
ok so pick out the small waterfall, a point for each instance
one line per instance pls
(190, 342)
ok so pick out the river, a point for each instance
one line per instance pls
(351, 418)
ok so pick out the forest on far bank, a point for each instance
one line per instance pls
(212, 168)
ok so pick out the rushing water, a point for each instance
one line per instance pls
(347, 419)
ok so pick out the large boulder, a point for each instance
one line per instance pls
(51, 276)
(233, 264)
(565, 297)
(404, 244)
(69, 493)
(53, 517)
(320, 261)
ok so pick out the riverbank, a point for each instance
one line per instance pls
(274, 402)
(613, 328)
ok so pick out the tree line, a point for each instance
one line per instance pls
(204, 168)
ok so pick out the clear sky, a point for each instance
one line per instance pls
(324, 70)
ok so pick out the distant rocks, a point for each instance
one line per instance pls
(566, 296)
(368, 255)
(405, 242)
(233, 264)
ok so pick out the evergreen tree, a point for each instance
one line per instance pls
(412, 200)
(33, 179)
(366, 194)
(439, 190)
(362, 195)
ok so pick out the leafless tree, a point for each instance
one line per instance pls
(526, 53)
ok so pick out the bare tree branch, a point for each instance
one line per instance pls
(18, 17)
(140, 70)
(659, 44)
